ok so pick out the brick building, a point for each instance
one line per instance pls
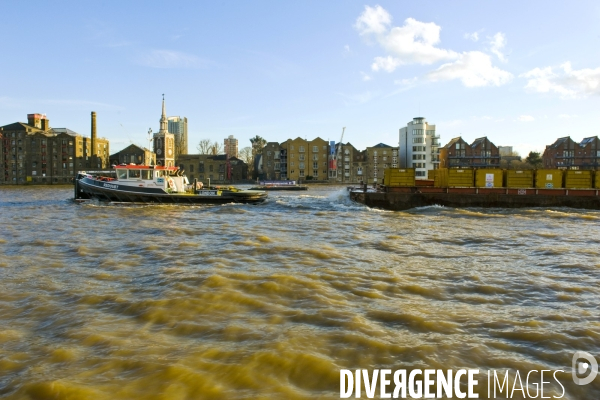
(34, 153)
(217, 168)
(133, 154)
(295, 159)
(482, 153)
(565, 153)
(377, 159)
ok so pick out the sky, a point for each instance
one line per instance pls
(522, 73)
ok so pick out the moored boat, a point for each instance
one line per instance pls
(157, 184)
(279, 185)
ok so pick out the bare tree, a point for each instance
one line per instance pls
(204, 147)
(179, 145)
(216, 148)
(246, 156)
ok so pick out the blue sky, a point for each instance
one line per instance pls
(522, 73)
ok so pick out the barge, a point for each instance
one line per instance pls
(484, 188)
(399, 199)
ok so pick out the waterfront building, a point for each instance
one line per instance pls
(178, 126)
(418, 147)
(218, 168)
(565, 153)
(164, 142)
(133, 154)
(35, 153)
(295, 159)
(352, 166)
(482, 153)
(378, 158)
(270, 168)
(231, 146)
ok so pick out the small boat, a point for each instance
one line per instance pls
(279, 185)
(157, 184)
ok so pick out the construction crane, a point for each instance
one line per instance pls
(338, 155)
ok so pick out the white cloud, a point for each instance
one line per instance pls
(373, 20)
(170, 59)
(497, 43)
(365, 77)
(472, 36)
(567, 116)
(526, 118)
(388, 64)
(346, 49)
(474, 69)
(417, 42)
(568, 83)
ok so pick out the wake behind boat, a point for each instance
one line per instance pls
(157, 184)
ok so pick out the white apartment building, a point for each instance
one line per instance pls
(418, 147)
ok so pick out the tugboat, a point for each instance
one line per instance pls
(157, 184)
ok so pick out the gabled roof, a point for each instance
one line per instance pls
(480, 140)
(587, 140)
(20, 126)
(126, 149)
(453, 141)
(560, 141)
(382, 145)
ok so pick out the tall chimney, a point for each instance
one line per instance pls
(93, 152)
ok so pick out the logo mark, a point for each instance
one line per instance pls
(581, 367)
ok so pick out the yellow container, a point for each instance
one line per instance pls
(440, 177)
(462, 177)
(488, 178)
(549, 178)
(597, 180)
(519, 178)
(578, 179)
(394, 177)
(431, 174)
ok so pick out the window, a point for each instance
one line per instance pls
(417, 132)
(147, 174)
(301, 150)
(121, 173)
(301, 165)
(315, 165)
(301, 157)
(315, 149)
(418, 140)
(191, 167)
(134, 173)
(315, 156)
(431, 131)
(302, 173)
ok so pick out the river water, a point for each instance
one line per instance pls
(271, 301)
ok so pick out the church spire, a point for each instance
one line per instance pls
(163, 118)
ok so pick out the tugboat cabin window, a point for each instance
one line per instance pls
(134, 174)
(122, 173)
(147, 174)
